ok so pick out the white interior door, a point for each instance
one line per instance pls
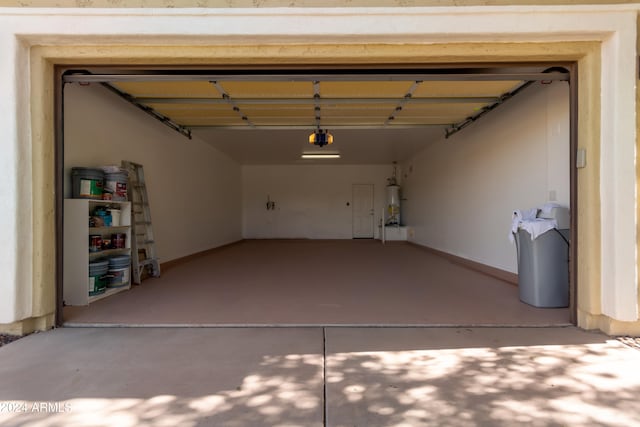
(363, 218)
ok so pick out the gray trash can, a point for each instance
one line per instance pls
(543, 268)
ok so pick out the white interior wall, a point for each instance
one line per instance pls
(194, 190)
(310, 200)
(461, 191)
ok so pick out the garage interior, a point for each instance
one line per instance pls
(251, 233)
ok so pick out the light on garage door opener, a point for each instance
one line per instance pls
(320, 156)
(321, 138)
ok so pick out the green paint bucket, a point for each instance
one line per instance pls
(87, 183)
(98, 277)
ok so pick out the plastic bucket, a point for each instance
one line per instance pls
(119, 271)
(115, 186)
(87, 183)
(115, 217)
(97, 277)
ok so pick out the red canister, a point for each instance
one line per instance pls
(118, 240)
(95, 243)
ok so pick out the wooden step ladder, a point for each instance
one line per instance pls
(143, 247)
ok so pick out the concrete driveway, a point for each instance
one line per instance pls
(319, 376)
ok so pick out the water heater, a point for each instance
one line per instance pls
(393, 205)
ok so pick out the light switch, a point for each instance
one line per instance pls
(581, 158)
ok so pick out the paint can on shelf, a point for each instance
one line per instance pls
(118, 240)
(98, 277)
(87, 183)
(106, 243)
(115, 186)
(119, 271)
(103, 217)
(95, 243)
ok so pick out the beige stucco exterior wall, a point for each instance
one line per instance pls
(43, 56)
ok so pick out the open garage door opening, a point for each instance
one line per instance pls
(333, 196)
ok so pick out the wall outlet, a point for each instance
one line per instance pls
(553, 196)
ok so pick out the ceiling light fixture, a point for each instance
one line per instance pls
(321, 138)
(320, 156)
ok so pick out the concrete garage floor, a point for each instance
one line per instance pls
(318, 283)
(319, 376)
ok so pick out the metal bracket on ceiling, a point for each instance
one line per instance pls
(72, 76)
(455, 128)
(182, 130)
(316, 102)
(227, 98)
(403, 101)
(554, 73)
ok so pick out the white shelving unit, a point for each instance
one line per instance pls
(76, 247)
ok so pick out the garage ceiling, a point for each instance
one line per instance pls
(270, 104)
(376, 118)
